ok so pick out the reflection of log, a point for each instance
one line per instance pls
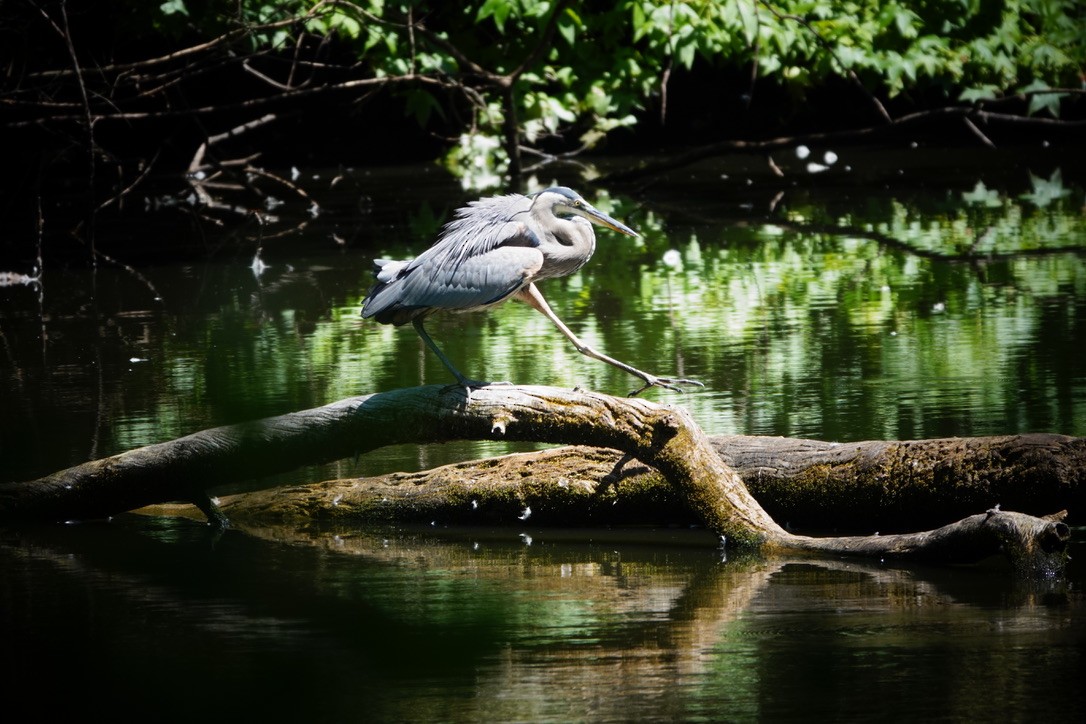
(661, 436)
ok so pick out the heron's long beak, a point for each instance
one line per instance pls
(598, 217)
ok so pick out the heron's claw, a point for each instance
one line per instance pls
(668, 383)
(468, 385)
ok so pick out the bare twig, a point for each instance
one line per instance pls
(224, 39)
(66, 36)
(119, 196)
(665, 76)
(977, 132)
(267, 79)
(250, 104)
(279, 180)
(754, 52)
(241, 129)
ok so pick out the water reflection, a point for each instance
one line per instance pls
(851, 309)
(477, 625)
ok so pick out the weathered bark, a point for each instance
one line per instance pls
(661, 436)
(907, 484)
(862, 486)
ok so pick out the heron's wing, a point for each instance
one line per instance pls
(443, 280)
(474, 282)
(484, 255)
(488, 223)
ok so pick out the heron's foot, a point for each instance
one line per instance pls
(468, 385)
(668, 383)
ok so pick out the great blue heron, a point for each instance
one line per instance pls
(497, 249)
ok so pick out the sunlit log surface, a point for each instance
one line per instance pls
(661, 436)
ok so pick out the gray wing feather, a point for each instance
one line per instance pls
(479, 281)
(483, 256)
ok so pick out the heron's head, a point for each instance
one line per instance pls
(565, 203)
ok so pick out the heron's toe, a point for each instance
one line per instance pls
(668, 383)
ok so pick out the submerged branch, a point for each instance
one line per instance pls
(867, 133)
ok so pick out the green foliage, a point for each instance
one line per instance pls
(606, 62)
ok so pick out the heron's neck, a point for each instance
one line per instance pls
(567, 249)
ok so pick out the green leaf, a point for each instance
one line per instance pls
(346, 25)
(1041, 99)
(568, 33)
(905, 20)
(640, 27)
(499, 9)
(174, 7)
(747, 20)
(979, 93)
(686, 55)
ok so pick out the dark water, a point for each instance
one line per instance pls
(904, 294)
(162, 620)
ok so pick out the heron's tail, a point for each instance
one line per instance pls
(385, 270)
(382, 302)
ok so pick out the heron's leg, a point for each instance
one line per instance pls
(532, 296)
(461, 380)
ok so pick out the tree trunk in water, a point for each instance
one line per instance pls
(860, 487)
(660, 436)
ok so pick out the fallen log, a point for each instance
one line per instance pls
(661, 436)
(898, 485)
(806, 484)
